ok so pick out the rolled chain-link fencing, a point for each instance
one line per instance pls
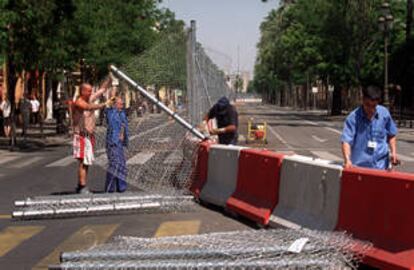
(250, 249)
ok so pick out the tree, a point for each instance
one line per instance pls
(323, 40)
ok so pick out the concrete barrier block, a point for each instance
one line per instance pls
(222, 174)
(309, 193)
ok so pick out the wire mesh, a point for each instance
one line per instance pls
(263, 249)
(99, 204)
(161, 154)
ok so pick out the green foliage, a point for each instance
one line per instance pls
(338, 39)
(55, 34)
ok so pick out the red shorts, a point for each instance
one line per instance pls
(79, 145)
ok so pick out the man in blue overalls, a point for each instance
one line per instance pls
(116, 139)
(369, 135)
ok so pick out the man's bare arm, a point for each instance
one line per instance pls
(80, 103)
(101, 91)
(393, 148)
(346, 152)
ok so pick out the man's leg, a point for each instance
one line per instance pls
(111, 171)
(122, 170)
(83, 172)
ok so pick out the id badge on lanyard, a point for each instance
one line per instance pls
(372, 144)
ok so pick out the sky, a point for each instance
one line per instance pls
(227, 29)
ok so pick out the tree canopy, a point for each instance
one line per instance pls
(321, 39)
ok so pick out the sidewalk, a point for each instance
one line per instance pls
(35, 140)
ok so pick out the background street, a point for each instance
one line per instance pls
(50, 170)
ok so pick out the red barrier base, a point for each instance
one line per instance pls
(386, 260)
(257, 188)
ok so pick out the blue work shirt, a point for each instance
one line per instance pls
(117, 122)
(359, 131)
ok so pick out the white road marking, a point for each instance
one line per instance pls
(163, 140)
(326, 155)
(140, 158)
(26, 162)
(327, 128)
(277, 135)
(6, 159)
(148, 131)
(100, 151)
(333, 130)
(311, 123)
(405, 158)
(62, 162)
(316, 138)
(175, 157)
(101, 160)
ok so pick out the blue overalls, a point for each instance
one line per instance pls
(117, 123)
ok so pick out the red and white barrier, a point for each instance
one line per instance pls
(257, 185)
(299, 191)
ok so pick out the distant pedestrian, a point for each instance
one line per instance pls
(5, 109)
(369, 135)
(116, 140)
(35, 110)
(227, 121)
(83, 120)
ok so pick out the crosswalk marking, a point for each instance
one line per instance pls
(6, 159)
(326, 155)
(26, 162)
(5, 216)
(86, 237)
(140, 158)
(174, 228)
(101, 160)
(333, 130)
(62, 162)
(12, 236)
(175, 157)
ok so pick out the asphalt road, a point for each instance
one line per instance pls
(35, 244)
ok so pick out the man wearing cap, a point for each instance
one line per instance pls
(369, 134)
(227, 121)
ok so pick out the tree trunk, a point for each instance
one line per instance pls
(409, 19)
(11, 86)
(337, 101)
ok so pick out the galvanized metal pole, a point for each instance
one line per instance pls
(158, 103)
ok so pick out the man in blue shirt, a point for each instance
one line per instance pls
(369, 134)
(116, 139)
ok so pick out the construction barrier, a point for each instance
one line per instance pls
(257, 188)
(199, 176)
(309, 193)
(378, 206)
(222, 174)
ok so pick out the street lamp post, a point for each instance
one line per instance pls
(385, 22)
